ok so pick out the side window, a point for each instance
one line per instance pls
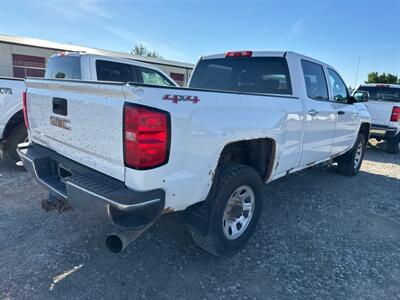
(153, 77)
(314, 78)
(339, 88)
(113, 71)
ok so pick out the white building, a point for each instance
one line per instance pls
(21, 57)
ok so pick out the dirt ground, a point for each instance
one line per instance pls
(321, 235)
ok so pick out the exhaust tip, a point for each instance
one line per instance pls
(114, 243)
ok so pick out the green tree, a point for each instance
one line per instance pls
(140, 49)
(375, 77)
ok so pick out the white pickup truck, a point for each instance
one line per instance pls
(141, 150)
(68, 65)
(384, 108)
(12, 128)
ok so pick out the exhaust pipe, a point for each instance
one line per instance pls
(121, 239)
(118, 241)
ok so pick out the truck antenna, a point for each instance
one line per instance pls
(358, 70)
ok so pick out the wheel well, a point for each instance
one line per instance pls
(16, 119)
(364, 130)
(258, 154)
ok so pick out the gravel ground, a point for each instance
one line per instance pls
(321, 235)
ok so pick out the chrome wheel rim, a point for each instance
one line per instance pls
(358, 155)
(238, 212)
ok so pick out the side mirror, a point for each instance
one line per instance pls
(360, 96)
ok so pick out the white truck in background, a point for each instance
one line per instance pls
(12, 127)
(93, 67)
(136, 150)
(384, 107)
(75, 65)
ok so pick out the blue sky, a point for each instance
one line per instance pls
(337, 32)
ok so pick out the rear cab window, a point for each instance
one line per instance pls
(381, 93)
(63, 67)
(265, 75)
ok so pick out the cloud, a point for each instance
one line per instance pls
(296, 29)
(92, 7)
(123, 34)
(167, 50)
(79, 9)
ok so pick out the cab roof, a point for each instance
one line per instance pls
(266, 54)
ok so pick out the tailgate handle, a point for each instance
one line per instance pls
(60, 106)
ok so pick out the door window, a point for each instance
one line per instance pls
(153, 77)
(339, 89)
(315, 81)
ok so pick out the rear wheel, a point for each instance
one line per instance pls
(393, 145)
(235, 210)
(17, 136)
(349, 164)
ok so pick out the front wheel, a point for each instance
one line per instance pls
(349, 164)
(236, 203)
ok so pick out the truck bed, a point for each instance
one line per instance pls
(202, 122)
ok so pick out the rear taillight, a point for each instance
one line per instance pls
(146, 137)
(395, 117)
(239, 54)
(25, 109)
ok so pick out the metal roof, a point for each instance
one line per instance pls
(31, 42)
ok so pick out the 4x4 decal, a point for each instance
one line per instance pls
(181, 98)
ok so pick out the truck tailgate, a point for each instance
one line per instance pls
(380, 111)
(80, 120)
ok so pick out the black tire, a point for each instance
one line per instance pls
(17, 136)
(393, 145)
(347, 162)
(229, 178)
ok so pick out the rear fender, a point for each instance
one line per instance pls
(212, 130)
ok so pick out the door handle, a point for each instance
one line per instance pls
(341, 112)
(312, 112)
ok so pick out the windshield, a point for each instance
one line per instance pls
(64, 67)
(381, 93)
(267, 75)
